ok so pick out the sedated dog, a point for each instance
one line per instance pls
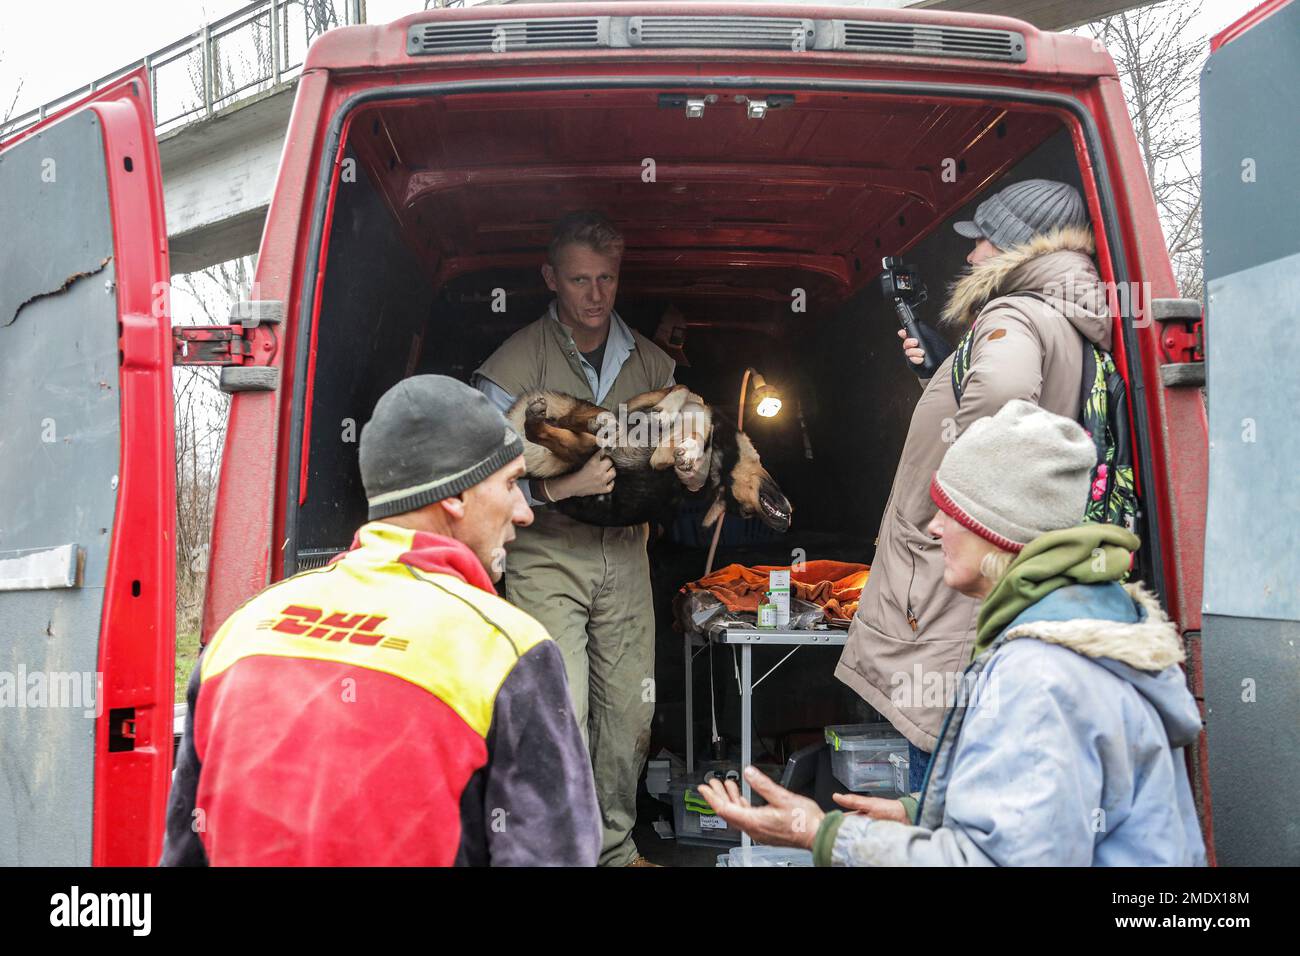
(561, 432)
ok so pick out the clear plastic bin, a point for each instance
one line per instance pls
(694, 823)
(860, 756)
(765, 856)
(692, 826)
(902, 771)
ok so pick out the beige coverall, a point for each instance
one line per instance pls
(590, 586)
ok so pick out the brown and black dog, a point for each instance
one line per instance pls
(561, 432)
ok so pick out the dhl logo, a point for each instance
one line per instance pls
(337, 626)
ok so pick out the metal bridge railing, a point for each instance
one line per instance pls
(253, 49)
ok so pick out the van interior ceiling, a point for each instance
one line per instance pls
(728, 218)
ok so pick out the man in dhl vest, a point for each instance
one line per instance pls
(590, 586)
(389, 708)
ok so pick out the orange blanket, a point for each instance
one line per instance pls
(836, 585)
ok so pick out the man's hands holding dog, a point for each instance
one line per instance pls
(595, 477)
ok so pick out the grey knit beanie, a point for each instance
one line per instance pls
(429, 438)
(1023, 210)
(1017, 475)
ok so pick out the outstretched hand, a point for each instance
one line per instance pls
(877, 808)
(786, 820)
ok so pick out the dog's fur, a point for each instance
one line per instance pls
(561, 432)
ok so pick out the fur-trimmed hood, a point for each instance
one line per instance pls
(1124, 629)
(1057, 265)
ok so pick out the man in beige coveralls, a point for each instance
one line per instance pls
(589, 586)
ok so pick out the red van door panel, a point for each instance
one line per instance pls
(247, 529)
(87, 497)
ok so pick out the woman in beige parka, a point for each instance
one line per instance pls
(1031, 298)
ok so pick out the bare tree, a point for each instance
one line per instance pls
(241, 57)
(1158, 57)
(321, 16)
(201, 409)
(7, 109)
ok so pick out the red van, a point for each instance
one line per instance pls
(754, 155)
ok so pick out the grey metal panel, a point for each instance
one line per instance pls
(33, 174)
(507, 36)
(1250, 111)
(1250, 98)
(772, 33)
(1252, 685)
(929, 40)
(58, 478)
(1252, 532)
(717, 32)
(1250, 158)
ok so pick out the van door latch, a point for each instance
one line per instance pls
(758, 107)
(693, 105)
(121, 729)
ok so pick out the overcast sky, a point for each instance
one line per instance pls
(59, 45)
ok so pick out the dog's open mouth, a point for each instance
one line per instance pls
(774, 516)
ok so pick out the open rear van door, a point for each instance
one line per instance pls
(87, 488)
(1250, 142)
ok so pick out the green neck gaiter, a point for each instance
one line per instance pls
(1084, 554)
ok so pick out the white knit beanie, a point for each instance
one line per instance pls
(1015, 476)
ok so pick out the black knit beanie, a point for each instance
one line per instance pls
(429, 438)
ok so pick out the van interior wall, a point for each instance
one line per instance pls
(375, 300)
(833, 449)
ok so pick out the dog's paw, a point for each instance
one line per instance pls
(689, 451)
(535, 409)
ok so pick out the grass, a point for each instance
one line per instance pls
(187, 655)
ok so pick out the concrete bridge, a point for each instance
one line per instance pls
(223, 95)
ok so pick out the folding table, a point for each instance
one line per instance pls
(746, 636)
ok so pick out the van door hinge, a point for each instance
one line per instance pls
(225, 344)
(232, 347)
(210, 345)
(1182, 341)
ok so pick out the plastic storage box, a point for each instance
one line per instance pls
(902, 771)
(765, 856)
(860, 756)
(693, 820)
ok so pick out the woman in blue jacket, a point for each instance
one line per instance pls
(1064, 746)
